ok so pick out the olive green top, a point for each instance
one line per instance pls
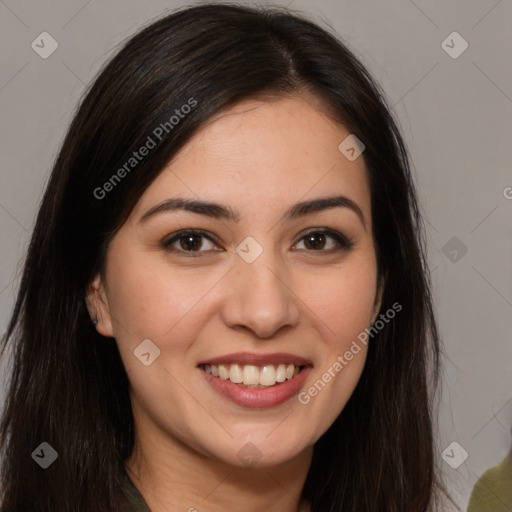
(493, 490)
(134, 502)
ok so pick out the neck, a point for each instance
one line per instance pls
(172, 476)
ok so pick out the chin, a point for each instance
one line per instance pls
(258, 451)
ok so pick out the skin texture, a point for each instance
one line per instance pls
(259, 158)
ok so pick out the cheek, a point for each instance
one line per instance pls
(151, 298)
(343, 311)
(343, 307)
(344, 300)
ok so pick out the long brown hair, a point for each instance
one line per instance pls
(68, 385)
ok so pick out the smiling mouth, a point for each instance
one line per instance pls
(251, 376)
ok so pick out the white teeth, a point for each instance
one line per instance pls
(268, 375)
(281, 373)
(235, 374)
(223, 372)
(251, 375)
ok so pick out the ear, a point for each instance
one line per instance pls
(381, 284)
(98, 307)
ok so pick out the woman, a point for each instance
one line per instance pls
(232, 209)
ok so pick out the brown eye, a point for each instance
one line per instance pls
(315, 241)
(325, 241)
(188, 241)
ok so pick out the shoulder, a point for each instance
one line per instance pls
(492, 491)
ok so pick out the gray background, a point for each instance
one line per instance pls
(455, 114)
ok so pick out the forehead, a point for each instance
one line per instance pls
(264, 154)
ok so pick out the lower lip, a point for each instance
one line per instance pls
(251, 397)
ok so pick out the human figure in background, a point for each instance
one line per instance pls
(493, 490)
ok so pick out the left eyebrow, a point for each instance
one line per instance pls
(219, 211)
(324, 203)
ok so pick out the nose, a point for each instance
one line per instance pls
(260, 297)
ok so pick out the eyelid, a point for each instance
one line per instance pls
(174, 237)
(344, 243)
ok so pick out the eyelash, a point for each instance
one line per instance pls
(344, 244)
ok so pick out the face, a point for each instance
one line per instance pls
(269, 287)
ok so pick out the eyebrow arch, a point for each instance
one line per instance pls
(219, 211)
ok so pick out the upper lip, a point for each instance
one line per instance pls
(250, 358)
